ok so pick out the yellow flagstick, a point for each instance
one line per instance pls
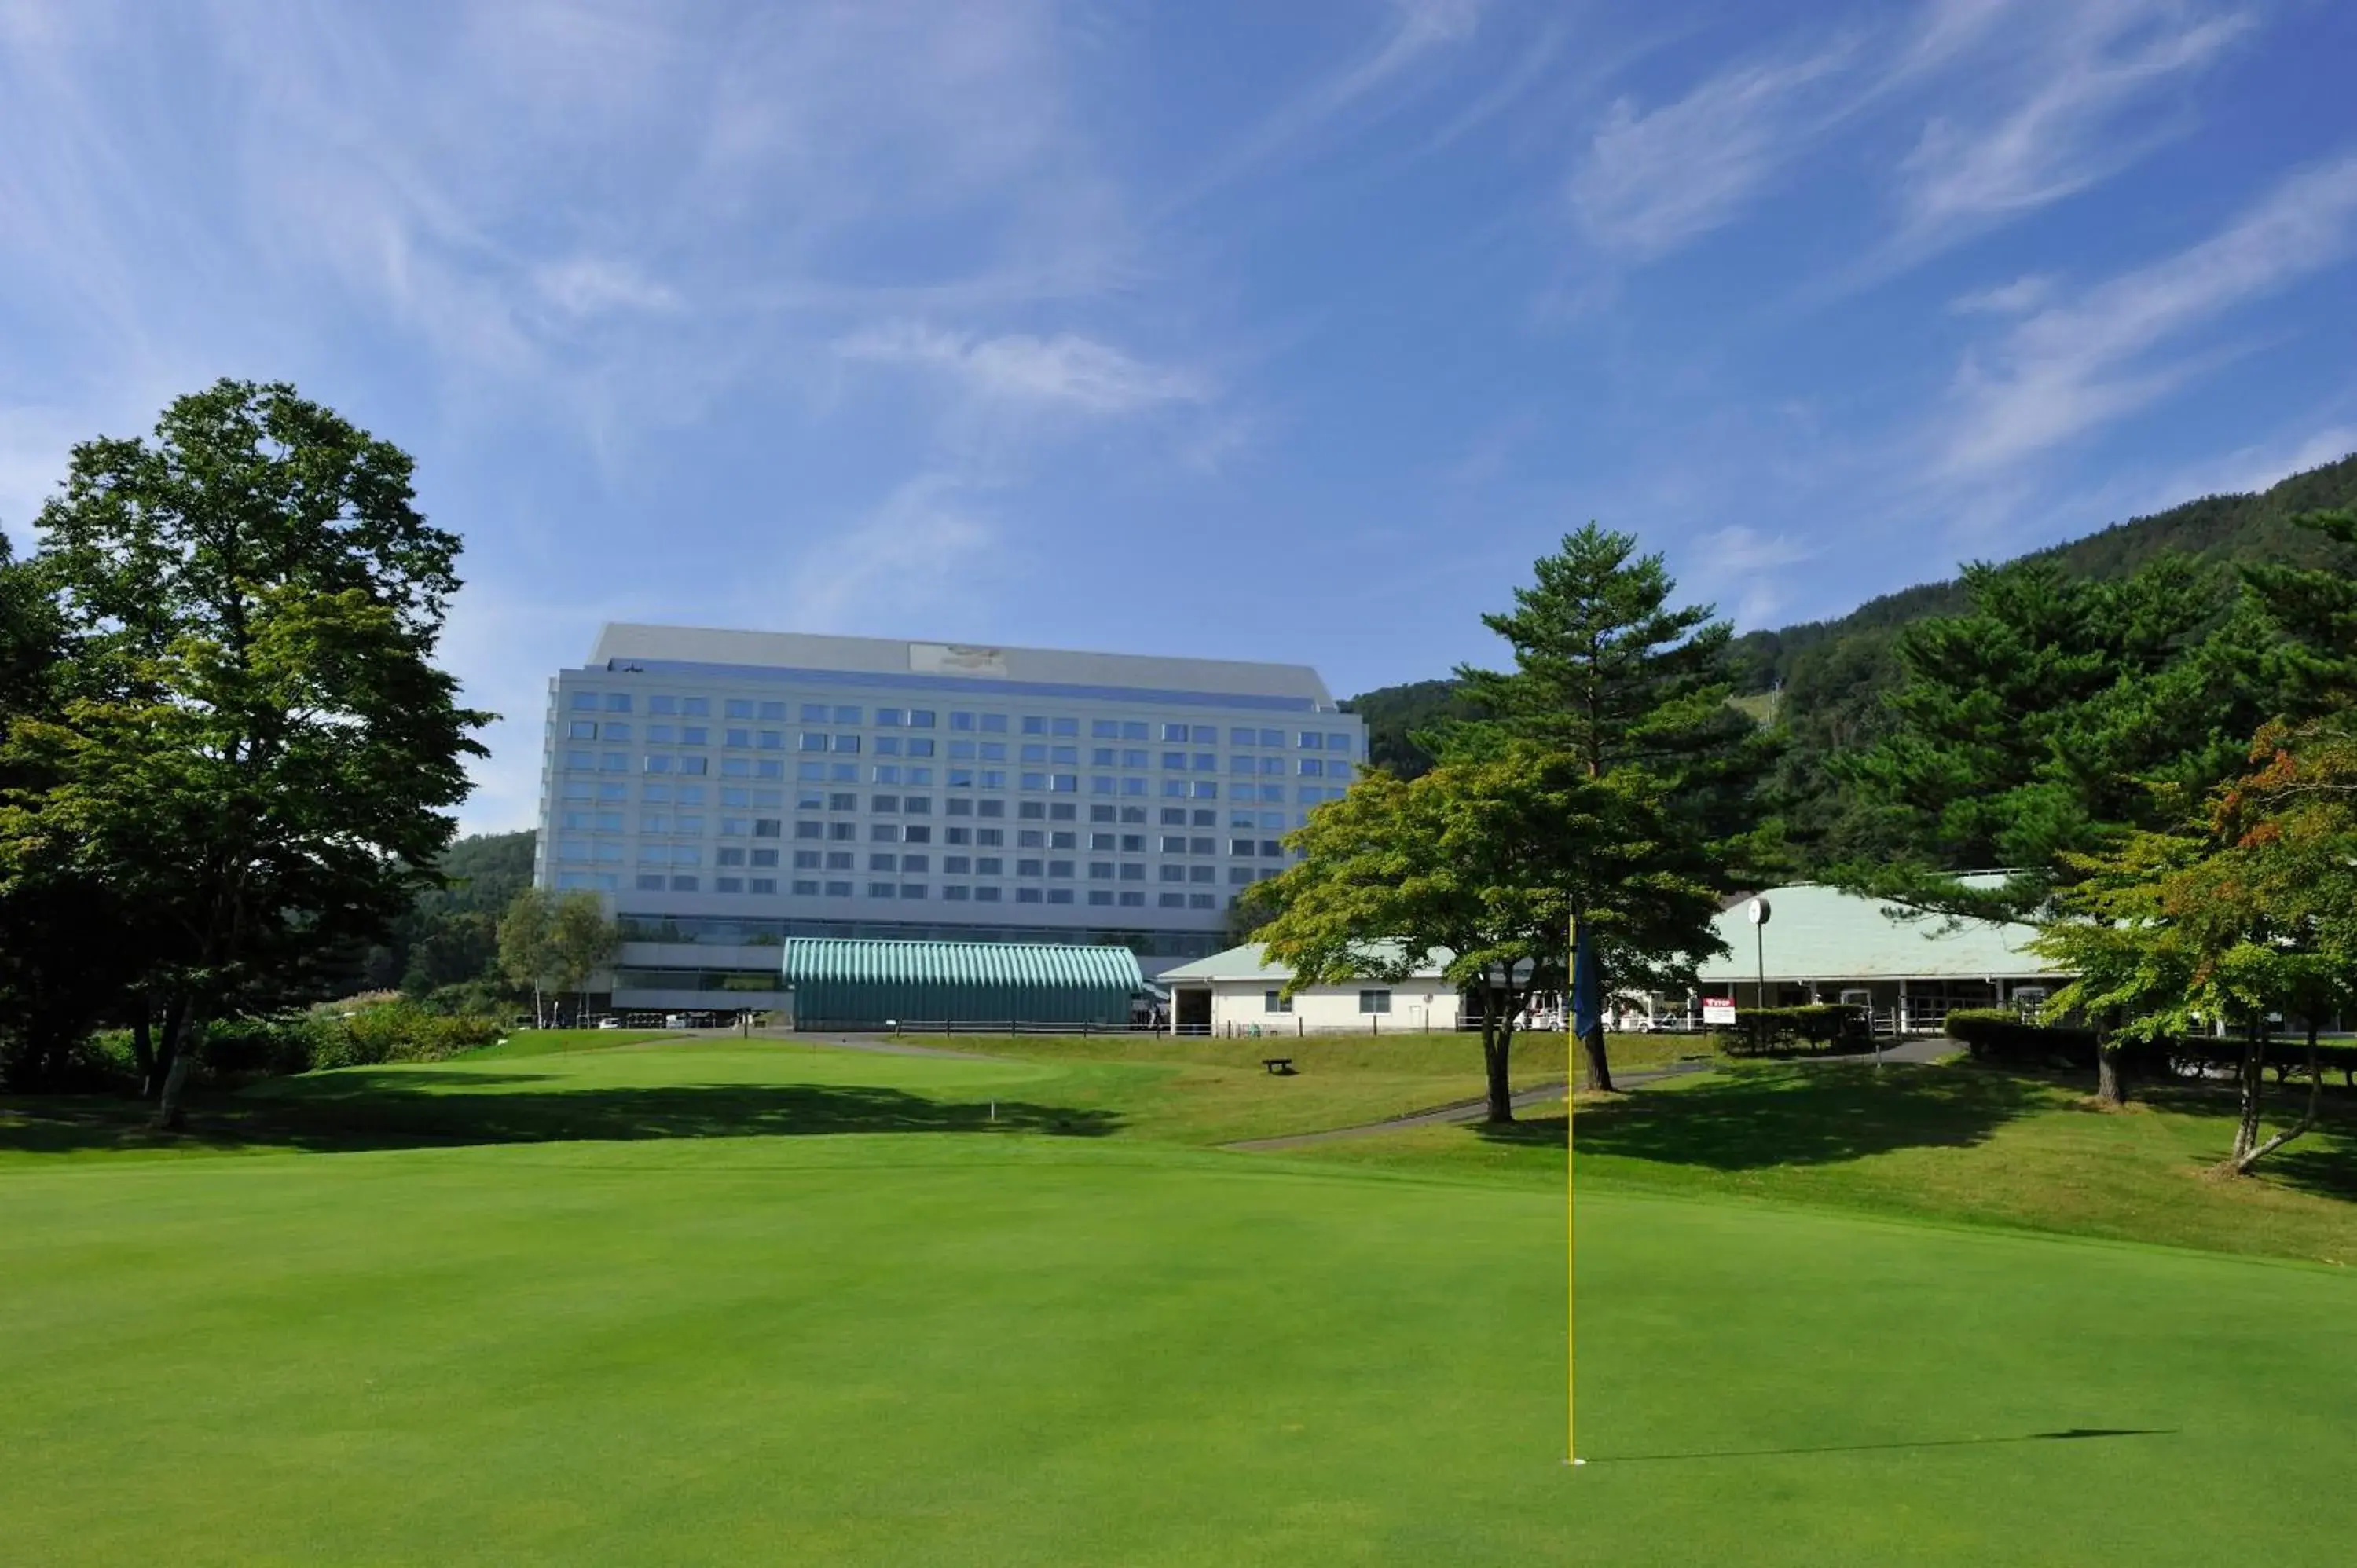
(1570, 1203)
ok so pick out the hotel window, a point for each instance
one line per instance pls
(1239, 874)
(884, 833)
(653, 883)
(1173, 873)
(956, 866)
(992, 808)
(888, 746)
(994, 724)
(1030, 869)
(1272, 765)
(1134, 729)
(917, 805)
(847, 715)
(773, 740)
(920, 718)
(1175, 760)
(879, 890)
(838, 889)
(887, 718)
(1100, 896)
(917, 832)
(813, 713)
(883, 863)
(920, 745)
(810, 740)
(1174, 732)
(913, 889)
(1311, 768)
(683, 883)
(1174, 789)
(1101, 871)
(809, 830)
(737, 708)
(1202, 874)
(1063, 812)
(764, 887)
(839, 859)
(807, 860)
(842, 832)
(804, 889)
(1276, 1001)
(1030, 896)
(728, 885)
(1034, 751)
(695, 707)
(1060, 869)
(663, 704)
(582, 729)
(735, 767)
(770, 856)
(1170, 900)
(618, 701)
(1133, 871)
(989, 866)
(1034, 724)
(1105, 729)
(954, 894)
(773, 711)
(1133, 758)
(1375, 1001)
(961, 720)
(584, 702)
(1338, 742)
(613, 762)
(1201, 901)
(1064, 756)
(1133, 900)
(1205, 762)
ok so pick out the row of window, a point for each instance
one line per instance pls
(995, 865)
(839, 714)
(963, 750)
(922, 777)
(956, 893)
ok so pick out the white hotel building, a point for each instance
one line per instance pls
(724, 791)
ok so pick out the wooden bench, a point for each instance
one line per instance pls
(1278, 1067)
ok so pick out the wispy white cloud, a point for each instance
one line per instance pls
(2054, 115)
(913, 553)
(1653, 179)
(2084, 362)
(2024, 294)
(1416, 31)
(589, 286)
(1065, 370)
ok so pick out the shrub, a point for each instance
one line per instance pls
(1814, 1024)
(1998, 1037)
(363, 1031)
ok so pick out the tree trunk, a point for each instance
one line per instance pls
(2108, 1088)
(2307, 1118)
(1599, 1065)
(143, 1045)
(2255, 1088)
(1497, 1040)
(170, 1115)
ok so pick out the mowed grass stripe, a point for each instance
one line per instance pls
(906, 1348)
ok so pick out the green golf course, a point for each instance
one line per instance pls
(731, 1302)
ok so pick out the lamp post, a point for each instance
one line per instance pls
(1758, 912)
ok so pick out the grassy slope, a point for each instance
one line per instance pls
(903, 1350)
(1936, 1142)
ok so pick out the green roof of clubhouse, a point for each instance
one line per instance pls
(1822, 933)
(1251, 962)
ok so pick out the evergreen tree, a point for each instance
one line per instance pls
(1633, 689)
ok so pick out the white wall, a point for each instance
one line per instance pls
(1416, 1004)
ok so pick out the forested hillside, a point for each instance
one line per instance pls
(1829, 676)
(450, 936)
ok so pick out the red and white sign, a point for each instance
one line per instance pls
(1718, 1009)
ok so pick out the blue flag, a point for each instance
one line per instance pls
(1586, 995)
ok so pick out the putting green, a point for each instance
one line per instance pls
(939, 1345)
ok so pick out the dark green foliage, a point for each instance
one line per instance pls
(2039, 724)
(1815, 1025)
(1396, 716)
(450, 934)
(252, 747)
(2000, 1037)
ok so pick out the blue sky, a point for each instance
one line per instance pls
(1258, 332)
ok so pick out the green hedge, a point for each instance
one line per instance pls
(1998, 1037)
(1814, 1024)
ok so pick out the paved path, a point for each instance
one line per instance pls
(1916, 1050)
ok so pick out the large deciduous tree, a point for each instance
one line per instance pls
(257, 748)
(2245, 911)
(1634, 689)
(1483, 859)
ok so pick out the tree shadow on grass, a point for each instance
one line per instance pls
(1759, 1116)
(363, 1109)
(2322, 1161)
